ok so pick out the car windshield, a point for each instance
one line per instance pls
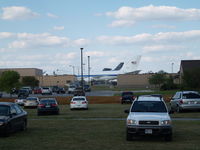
(148, 106)
(78, 99)
(191, 95)
(23, 91)
(4, 110)
(48, 101)
(127, 94)
(31, 98)
(72, 87)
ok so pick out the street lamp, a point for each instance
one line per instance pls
(172, 67)
(82, 69)
(89, 70)
(72, 68)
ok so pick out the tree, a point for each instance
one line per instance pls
(9, 80)
(191, 79)
(30, 81)
(158, 79)
(169, 84)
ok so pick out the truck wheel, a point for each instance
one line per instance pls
(128, 136)
(168, 138)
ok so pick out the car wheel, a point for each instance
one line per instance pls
(128, 136)
(178, 109)
(168, 137)
(7, 131)
(57, 113)
(24, 126)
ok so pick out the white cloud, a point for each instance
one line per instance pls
(81, 42)
(157, 48)
(61, 56)
(52, 15)
(162, 37)
(95, 53)
(29, 40)
(153, 13)
(120, 23)
(59, 28)
(4, 35)
(17, 13)
(163, 26)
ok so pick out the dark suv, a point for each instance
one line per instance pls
(127, 97)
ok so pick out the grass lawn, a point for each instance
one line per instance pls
(63, 132)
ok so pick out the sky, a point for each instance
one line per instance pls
(48, 34)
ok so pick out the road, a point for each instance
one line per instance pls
(92, 93)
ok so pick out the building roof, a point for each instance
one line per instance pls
(190, 64)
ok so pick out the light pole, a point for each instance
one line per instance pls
(89, 70)
(72, 68)
(82, 69)
(172, 67)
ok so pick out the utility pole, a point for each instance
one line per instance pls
(172, 67)
(89, 70)
(82, 69)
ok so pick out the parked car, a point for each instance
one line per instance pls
(23, 93)
(27, 88)
(31, 102)
(61, 90)
(79, 92)
(127, 97)
(47, 105)
(185, 100)
(12, 118)
(20, 101)
(87, 88)
(148, 115)
(55, 89)
(71, 89)
(37, 90)
(1, 95)
(46, 91)
(79, 102)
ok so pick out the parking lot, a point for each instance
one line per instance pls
(100, 127)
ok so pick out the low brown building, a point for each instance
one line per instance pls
(44, 80)
(25, 71)
(139, 80)
(56, 80)
(134, 80)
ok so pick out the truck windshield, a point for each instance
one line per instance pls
(148, 106)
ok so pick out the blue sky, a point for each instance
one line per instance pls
(49, 34)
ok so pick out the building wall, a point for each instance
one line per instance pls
(139, 80)
(58, 80)
(135, 81)
(25, 71)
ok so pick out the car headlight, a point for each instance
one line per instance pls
(1, 123)
(166, 122)
(131, 122)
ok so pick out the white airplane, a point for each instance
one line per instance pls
(127, 67)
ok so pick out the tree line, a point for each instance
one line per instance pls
(11, 79)
(190, 80)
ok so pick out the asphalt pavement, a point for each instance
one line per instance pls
(92, 93)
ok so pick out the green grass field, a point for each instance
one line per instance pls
(66, 131)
